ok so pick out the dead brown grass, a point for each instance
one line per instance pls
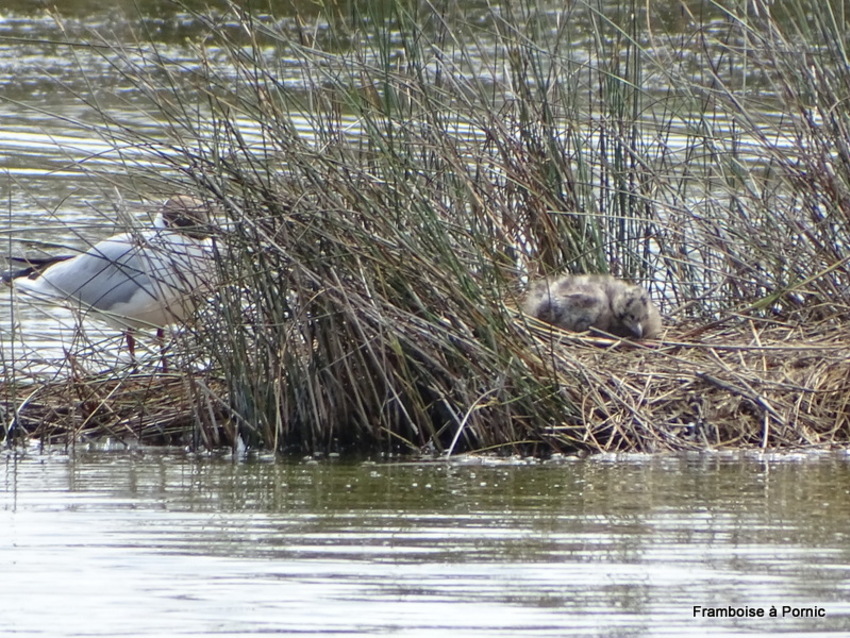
(147, 408)
(755, 385)
(760, 384)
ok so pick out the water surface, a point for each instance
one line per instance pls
(149, 543)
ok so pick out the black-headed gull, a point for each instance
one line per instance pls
(581, 302)
(146, 279)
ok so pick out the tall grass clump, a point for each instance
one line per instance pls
(394, 173)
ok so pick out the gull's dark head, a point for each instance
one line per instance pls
(186, 215)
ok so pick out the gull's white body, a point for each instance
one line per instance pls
(140, 280)
(146, 279)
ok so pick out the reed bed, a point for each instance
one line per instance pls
(758, 384)
(151, 409)
(393, 176)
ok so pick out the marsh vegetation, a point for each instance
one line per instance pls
(394, 174)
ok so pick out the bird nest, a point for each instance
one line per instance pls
(156, 409)
(757, 384)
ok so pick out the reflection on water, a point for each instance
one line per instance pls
(155, 543)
